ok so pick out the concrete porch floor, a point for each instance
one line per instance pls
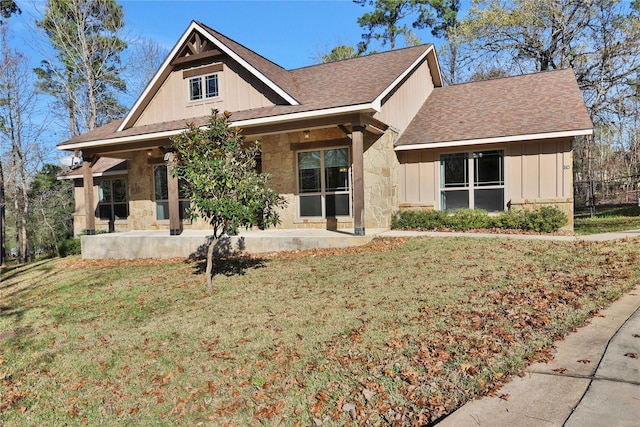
(159, 244)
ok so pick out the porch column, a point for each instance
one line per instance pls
(357, 137)
(89, 208)
(175, 225)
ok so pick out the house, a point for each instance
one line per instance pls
(347, 143)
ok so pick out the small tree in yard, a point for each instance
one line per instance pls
(221, 181)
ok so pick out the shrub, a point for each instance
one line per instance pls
(511, 220)
(69, 247)
(547, 219)
(419, 220)
(469, 219)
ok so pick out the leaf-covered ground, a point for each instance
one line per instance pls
(399, 332)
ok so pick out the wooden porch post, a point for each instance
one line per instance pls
(89, 208)
(175, 225)
(357, 138)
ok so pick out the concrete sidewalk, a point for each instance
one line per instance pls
(594, 380)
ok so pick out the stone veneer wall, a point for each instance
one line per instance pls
(140, 182)
(380, 180)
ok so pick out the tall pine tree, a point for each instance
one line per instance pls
(84, 77)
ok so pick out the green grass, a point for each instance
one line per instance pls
(406, 334)
(607, 219)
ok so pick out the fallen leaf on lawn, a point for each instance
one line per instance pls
(596, 314)
(504, 396)
(561, 370)
(368, 394)
(351, 409)
(632, 355)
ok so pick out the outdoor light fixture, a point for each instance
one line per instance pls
(306, 134)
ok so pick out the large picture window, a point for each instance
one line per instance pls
(472, 180)
(323, 183)
(203, 87)
(112, 199)
(161, 190)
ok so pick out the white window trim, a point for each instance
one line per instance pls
(471, 180)
(202, 79)
(323, 192)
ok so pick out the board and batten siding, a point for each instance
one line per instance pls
(536, 173)
(401, 105)
(239, 90)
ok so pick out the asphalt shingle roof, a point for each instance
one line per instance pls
(523, 105)
(336, 84)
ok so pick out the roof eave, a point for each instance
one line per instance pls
(494, 140)
(95, 175)
(359, 108)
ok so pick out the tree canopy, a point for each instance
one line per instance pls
(221, 179)
(84, 77)
(8, 8)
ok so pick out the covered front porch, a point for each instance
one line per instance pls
(159, 244)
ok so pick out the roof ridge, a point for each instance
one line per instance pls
(534, 73)
(386, 52)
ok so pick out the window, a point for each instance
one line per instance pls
(112, 199)
(202, 90)
(472, 180)
(323, 183)
(161, 188)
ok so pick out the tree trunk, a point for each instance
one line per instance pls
(209, 268)
(3, 228)
(25, 214)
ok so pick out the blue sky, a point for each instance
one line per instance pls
(291, 33)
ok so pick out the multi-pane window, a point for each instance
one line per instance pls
(472, 180)
(203, 87)
(323, 183)
(161, 190)
(112, 199)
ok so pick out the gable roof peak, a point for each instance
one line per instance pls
(223, 37)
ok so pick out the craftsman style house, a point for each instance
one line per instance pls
(347, 143)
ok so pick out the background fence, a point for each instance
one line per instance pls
(616, 191)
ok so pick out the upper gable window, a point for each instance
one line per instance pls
(203, 87)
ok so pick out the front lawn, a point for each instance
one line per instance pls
(394, 333)
(607, 219)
